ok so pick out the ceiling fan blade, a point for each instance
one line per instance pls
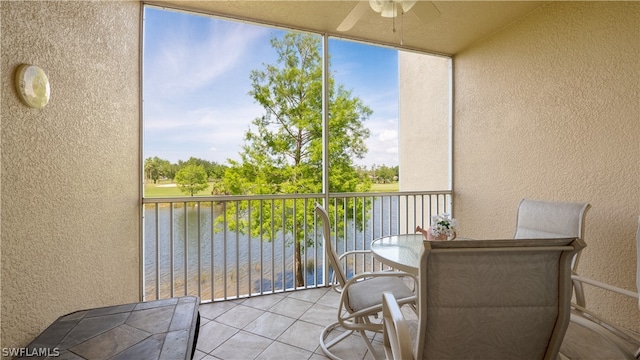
(426, 11)
(352, 18)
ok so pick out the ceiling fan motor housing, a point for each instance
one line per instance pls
(387, 8)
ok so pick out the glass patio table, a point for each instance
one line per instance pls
(401, 252)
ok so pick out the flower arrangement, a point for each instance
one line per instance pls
(443, 225)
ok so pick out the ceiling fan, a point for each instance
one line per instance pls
(424, 10)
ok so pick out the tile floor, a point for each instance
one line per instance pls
(279, 326)
(288, 326)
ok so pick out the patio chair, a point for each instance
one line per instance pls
(397, 335)
(549, 219)
(360, 296)
(491, 299)
(590, 335)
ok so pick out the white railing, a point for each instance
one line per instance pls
(250, 256)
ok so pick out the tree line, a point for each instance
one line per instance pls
(156, 169)
(195, 171)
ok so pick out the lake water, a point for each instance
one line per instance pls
(239, 264)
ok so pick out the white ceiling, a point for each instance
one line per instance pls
(459, 24)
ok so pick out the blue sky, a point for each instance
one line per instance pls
(196, 83)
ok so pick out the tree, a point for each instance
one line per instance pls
(156, 168)
(282, 152)
(213, 169)
(191, 179)
(385, 174)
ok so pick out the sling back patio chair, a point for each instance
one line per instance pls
(489, 299)
(551, 219)
(360, 296)
(592, 336)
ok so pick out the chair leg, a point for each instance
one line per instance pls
(328, 345)
(374, 353)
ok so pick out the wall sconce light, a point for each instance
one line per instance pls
(32, 86)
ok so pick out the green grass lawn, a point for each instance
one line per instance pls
(168, 189)
(393, 187)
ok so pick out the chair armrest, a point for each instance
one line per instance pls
(396, 334)
(352, 252)
(580, 298)
(608, 330)
(335, 286)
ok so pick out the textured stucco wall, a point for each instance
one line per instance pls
(424, 121)
(70, 171)
(549, 108)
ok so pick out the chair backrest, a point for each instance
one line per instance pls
(547, 219)
(330, 251)
(551, 219)
(494, 299)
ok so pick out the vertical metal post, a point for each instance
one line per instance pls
(224, 250)
(295, 239)
(261, 249)
(199, 275)
(249, 269)
(171, 249)
(284, 248)
(273, 246)
(142, 288)
(451, 133)
(325, 138)
(157, 239)
(186, 249)
(237, 248)
(212, 270)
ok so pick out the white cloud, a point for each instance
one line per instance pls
(388, 135)
(383, 142)
(183, 65)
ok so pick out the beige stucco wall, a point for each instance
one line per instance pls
(549, 108)
(424, 121)
(69, 172)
